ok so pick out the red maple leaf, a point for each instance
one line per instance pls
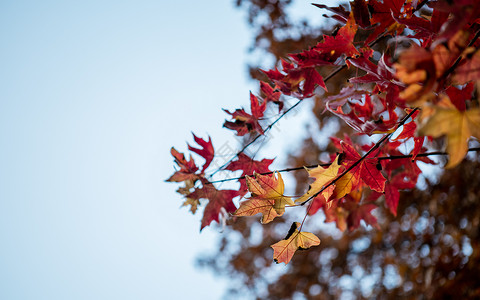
(367, 169)
(458, 97)
(207, 151)
(340, 13)
(271, 94)
(366, 117)
(248, 166)
(406, 179)
(417, 147)
(322, 200)
(330, 49)
(245, 122)
(347, 94)
(358, 212)
(423, 28)
(381, 74)
(360, 13)
(298, 82)
(217, 199)
(359, 9)
(382, 13)
(409, 128)
(187, 167)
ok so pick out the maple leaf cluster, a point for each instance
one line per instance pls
(408, 99)
(197, 187)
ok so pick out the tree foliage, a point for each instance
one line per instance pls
(401, 80)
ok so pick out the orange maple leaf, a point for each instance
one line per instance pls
(322, 177)
(344, 185)
(284, 250)
(266, 197)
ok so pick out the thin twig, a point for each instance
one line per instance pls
(391, 157)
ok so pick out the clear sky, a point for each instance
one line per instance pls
(92, 96)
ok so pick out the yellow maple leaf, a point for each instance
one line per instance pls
(344, 185)
(266, 197)
(284, 250)
(457, 126)
(322, 177)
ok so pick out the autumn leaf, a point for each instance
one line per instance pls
(408, 129)
(360, 13)
(217, 200)
(186, 191)
(459, 97)
(382, 13)
(337, 214)
(358, 211)
(245, 122)
(255, 206)
(271, 94)
(364, 119)
(298, 81)
(346, 184)
(417, 146)
(347, 93)
(284, 250)
(322, 177)
(361, 212)
(206, 152)
(193, 204)
(392, 196)
(424, 28)
(367, 169)
(321, 200)
(381, 73)
(416, 68)
(330, 49)
(269, 187)
(340, 14)
(457, 126)
(187, 167)
(248, 166)
(266, 197)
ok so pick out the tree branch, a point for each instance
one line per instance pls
(391, 157)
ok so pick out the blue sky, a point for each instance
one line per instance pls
(92, 96)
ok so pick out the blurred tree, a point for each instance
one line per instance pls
(431, 250)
